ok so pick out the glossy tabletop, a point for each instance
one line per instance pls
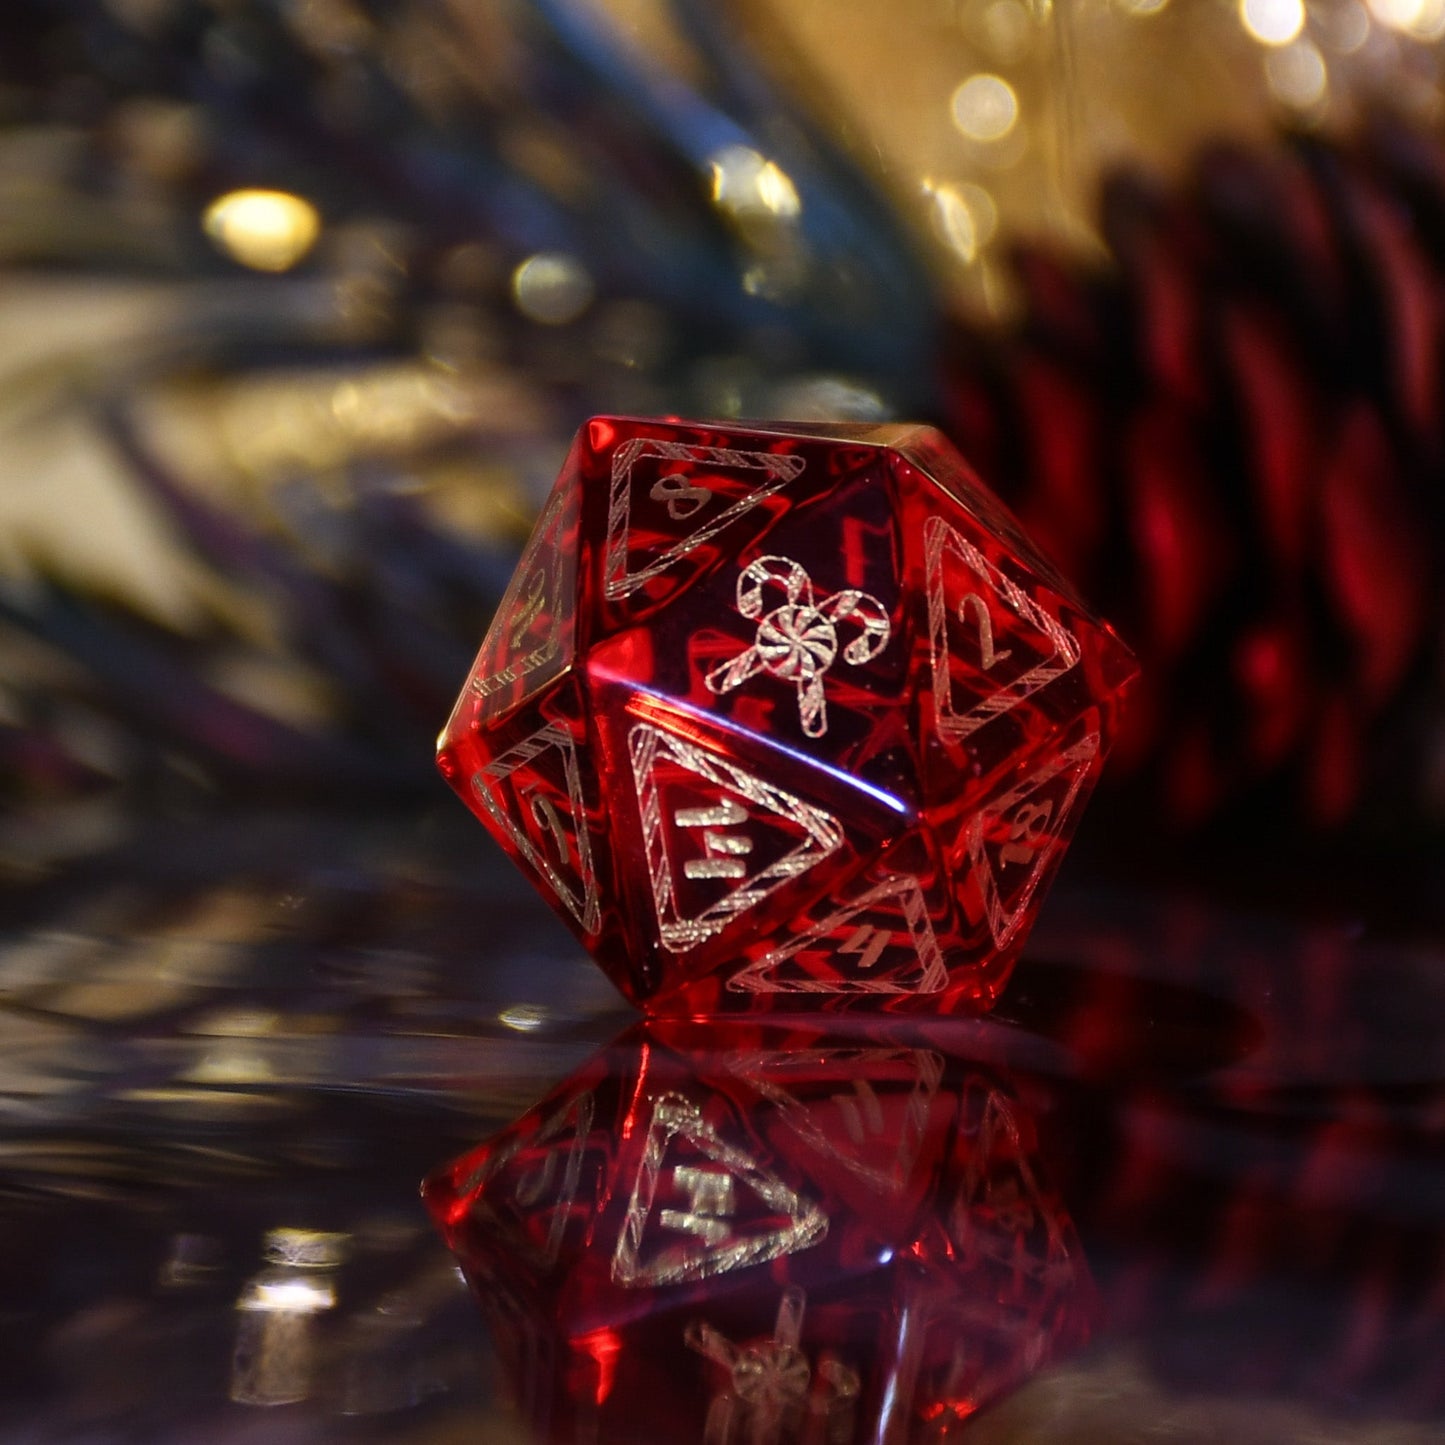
(1186, 1183)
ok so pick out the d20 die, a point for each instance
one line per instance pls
(801, 1239)
(784, 718)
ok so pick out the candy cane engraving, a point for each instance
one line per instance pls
(798, 639)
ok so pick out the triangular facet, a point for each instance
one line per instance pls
(669, 498)
(530, 639)
(875, 1118)
(1002, 1213)
(718, 839)
(879, 943)
(701, 1207)
(533, 793)
(535, 1181)
(990, 645)
(1014, 838)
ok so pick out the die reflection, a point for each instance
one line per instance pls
(803, 1239)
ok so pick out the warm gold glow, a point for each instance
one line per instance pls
(1273, 22)
(552, 287)
(985, 108)
(1422, 19)
(265, 230)
(1349, 27)
(1009, 31)
(964, 216)
(1297, 75)
(297, 1296)
(744, 181)
(524, 1017)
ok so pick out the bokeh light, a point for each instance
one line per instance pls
(1273, 22)
(964, 217)
(985, 108)
(744, 181)
(265, 230)
(1297, 75)
(552, 288)
(1421, 19)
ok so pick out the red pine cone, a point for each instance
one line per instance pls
(1233, 441)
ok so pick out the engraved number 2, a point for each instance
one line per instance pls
(682, 498)
(1029, 825)
(975, 604)
(532, 604)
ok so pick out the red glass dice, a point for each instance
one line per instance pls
(780, 719)
(800, 1239)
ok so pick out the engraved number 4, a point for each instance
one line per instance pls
(975, 604)
(868, 943)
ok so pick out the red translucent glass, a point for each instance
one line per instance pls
(781, 719)
(803, 1238)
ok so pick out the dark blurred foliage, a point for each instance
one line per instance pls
(1229, 436)
(1232, 440)
(443, 146)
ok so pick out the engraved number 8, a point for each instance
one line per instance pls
(1029, 825)
(683, 500)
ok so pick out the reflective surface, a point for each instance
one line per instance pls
(788, 1235)
(220, 1097)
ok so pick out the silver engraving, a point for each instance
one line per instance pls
(988, 655)
(723, 815)
(939, 540)
(681, 498)
(903, 892)
(578, 895)
(798, 639)
(862, 1111)
(999, 1213)
(1027, 843)
(773, 1394)
(537, 587)
(711, 1193)
(725, 851)
(701, 1255)
(775, 471)
(681, 931)
(536, 1185)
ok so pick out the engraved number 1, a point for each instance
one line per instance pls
(975, 604)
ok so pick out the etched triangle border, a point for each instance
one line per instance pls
(646, 744)
(674, 1116)
(754, 978)
(779, 468)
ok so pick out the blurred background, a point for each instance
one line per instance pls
(300, 304)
